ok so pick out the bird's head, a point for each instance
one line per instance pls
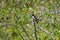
(32, 14)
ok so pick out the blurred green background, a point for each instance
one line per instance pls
(16, 22)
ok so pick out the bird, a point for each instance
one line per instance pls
(35, 18)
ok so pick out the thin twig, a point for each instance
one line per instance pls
(24, 31)
(19, 32)
(16, 27)
(22, 26)
(35, 20)
(35, 30)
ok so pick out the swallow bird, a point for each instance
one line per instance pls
(35, 18)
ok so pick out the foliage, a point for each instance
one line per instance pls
(16, 22)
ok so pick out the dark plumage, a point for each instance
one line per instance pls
(35, 18)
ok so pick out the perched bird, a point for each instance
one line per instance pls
(35, 18)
